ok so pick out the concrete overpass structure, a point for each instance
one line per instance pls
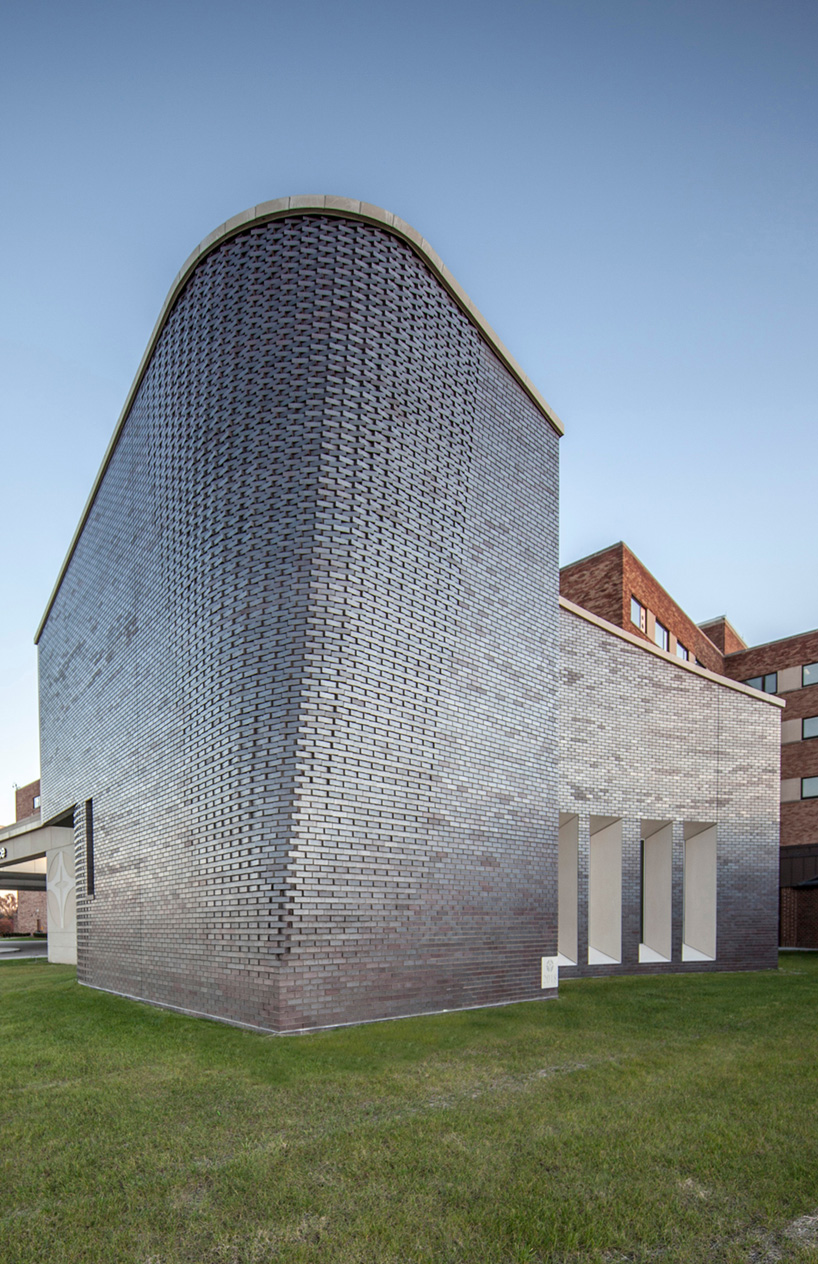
(37, 857)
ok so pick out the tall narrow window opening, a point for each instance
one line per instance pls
(699, 892)
(89, 846)
(657, 891)
(605, 892)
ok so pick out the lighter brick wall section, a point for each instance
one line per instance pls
(642, 739)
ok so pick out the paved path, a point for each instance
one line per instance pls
(17, 950)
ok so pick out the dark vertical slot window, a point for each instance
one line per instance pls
(89, 846)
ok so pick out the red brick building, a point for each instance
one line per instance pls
(31, 915)
(614, 585)
(27, 800)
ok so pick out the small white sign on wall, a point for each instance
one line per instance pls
(550, 972)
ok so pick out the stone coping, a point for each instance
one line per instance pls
(345, 208)
(724, 681)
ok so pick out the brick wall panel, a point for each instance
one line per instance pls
(799, 822)
(303, 659)
(793, 651)
(641, 738)
(24, 797)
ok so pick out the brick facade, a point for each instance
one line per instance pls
(26, 800)
(32, 913)
(299, 677)
(311, 627)
(597, 584)
(723, 635)
(799, 824)
(646, 739)
(799, 917)
(604, 584)
(791, 651)
(799, 819)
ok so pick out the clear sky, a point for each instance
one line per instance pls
(625, 188)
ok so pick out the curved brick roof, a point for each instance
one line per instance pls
(346, 208)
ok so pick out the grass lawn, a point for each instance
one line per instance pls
(654, 1119)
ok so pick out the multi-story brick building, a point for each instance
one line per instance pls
(615, 585)
(307, 686)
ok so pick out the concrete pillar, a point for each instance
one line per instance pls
(62, 901)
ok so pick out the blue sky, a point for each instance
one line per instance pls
(626, 189)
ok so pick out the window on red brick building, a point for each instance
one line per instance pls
(767, 684)
(661, 636)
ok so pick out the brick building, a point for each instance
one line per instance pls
(300, 682)
(615, 585)
(668, 808)
(27, 800)
(31, 915)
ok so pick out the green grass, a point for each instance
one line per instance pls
(670, 1119)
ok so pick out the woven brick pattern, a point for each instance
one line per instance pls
(304, 656)
(643, 739)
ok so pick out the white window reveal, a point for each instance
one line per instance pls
(605, 892)
(699, 917)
